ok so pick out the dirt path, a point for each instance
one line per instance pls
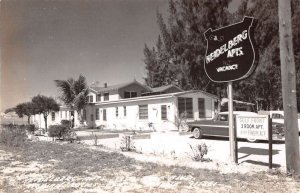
(54, 167)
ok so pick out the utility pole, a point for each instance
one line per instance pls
(288, 78)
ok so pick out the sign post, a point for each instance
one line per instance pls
(232, 138)
(230, 56)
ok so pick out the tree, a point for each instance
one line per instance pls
(178, 55)
(27, 108)
(45, 105)
(74, 93)
(266, 81)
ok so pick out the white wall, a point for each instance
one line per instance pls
(131, 121)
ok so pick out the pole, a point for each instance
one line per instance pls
(288, 78)
(232, 139)
(270, 137)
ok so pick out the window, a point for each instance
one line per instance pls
(185, 107)
(97, 114)
(201, 107)
(143, 111)
(106, 96)
(130, 94)
(104, 114)
(61, 112)
(66, 113)
(84, 114)
(53, 116)
(163, 112)
(125, 111)
(277, 116)
(117, 112)
(98, 97)
(91, 99)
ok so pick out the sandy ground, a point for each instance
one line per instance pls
(165, 149)
(175, 146)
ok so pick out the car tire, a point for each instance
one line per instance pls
(251, 140)
(197, 133)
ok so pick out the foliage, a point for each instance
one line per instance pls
(177, 58)
(199, 151)
(31, 128)
(66, 123)
(13, 136)
(58, 131)
(264, 86)
(45, 105)
(74, 93)
(180, 48)
(27, 108)
(180, 121)
(127, 143)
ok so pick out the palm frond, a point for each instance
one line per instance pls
(66, 89)
(80, 85)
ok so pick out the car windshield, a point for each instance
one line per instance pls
(277, 116)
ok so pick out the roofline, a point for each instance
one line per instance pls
(152, 97)
(170, 86)
(129, 83)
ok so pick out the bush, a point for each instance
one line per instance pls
(199, 151)
(31, 128)
(13, 136)
(66, 123)
(127, 143)
(58, 131)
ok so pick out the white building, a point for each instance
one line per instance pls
(134, 106)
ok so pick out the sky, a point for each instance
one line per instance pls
(47, 40)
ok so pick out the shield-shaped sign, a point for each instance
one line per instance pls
(230, 53)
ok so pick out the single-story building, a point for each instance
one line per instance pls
(134, 106)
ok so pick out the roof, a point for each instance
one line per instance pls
(117, 86)
(225, 100)
(154, 97)
(164, 88)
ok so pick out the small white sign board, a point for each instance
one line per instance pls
(252, 126)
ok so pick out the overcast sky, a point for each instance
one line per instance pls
(45, 40)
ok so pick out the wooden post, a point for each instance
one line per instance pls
(270, 138)
(288, 78)
(232, 139)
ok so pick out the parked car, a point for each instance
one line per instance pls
(277, 116)
(219, 126)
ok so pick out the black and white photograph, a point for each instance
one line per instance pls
(164, 96)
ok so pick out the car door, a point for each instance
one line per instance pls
(216, 127)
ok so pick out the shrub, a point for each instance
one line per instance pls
(66, 123)
(31, 128)
(13, 136)
(198, 152)
(127, 143)
(58, 131)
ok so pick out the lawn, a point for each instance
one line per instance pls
(61, 167)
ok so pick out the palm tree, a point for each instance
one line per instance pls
(74, 93)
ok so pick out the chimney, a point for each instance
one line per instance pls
(105, 85)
